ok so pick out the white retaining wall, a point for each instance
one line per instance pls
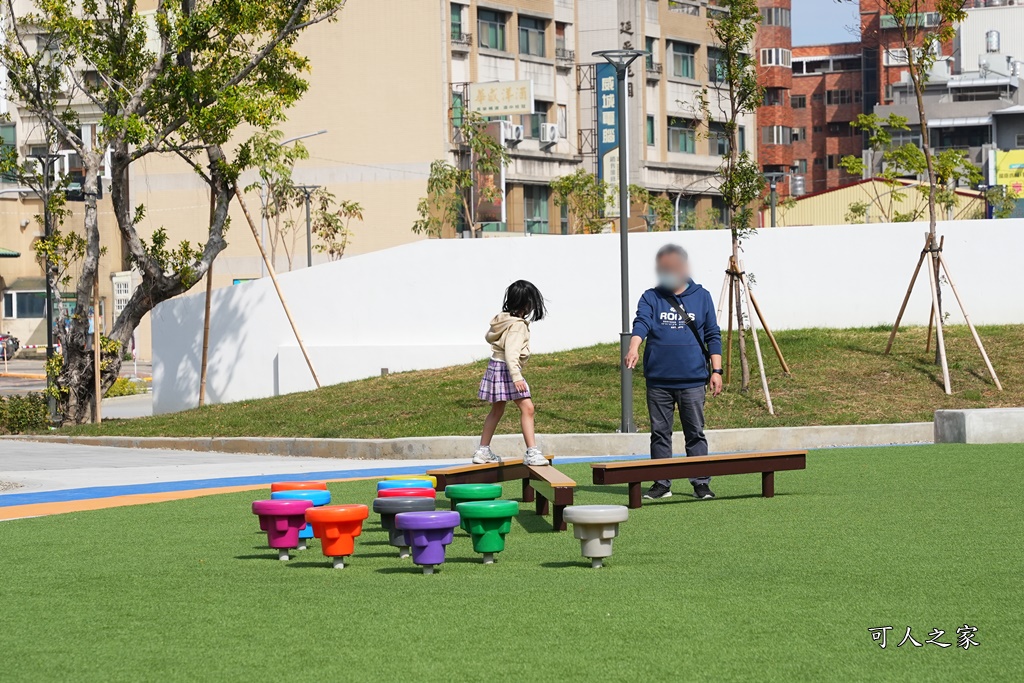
(427, 304)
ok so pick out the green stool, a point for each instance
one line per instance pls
(463, 493)
(487, 521)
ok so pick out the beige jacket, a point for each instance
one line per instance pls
(509, 338)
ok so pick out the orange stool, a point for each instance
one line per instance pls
(298, 486)
(337, 527)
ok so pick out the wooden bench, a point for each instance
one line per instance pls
(541, 485)
(635, 472)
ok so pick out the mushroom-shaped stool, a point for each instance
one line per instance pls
(387, 508)
(337, 527)
(298, 486)
(487, 522)
(428, 533)
(399, 477)
(282, 519)
(318, 497)
(406, 492)
(596, 526)
(405, 484)
(464, 493)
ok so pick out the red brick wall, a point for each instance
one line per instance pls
(770, 36)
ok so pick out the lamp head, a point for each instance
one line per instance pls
(621, 59)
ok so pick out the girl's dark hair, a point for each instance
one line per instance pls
(524, 300)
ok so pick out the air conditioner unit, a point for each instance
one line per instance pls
(549, 133)
(516, 135)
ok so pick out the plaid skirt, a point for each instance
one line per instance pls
(497, 384)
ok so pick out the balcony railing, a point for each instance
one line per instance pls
(461, 41)
(684, 8)
(564, 56)
(653, 71)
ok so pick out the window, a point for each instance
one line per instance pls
(650, 131)
(817, 162)
(716, 65)
(775, 16)
(832, 162)
(490, 28)
(722, 209)
(531, 36)
(456, 21)
(817, 129)
(776, 56)
(774, 97)
(651, 45)
(531, 122)
(835, 97)
(776, 135)
(681, 136)
(535, 209)
(24, 305)
(682, 58)
(563, 121)
(799, 134)
(9, 147)
(122, 283)
(686, 212)
(684, 7)
(560, 45)
(458, 109)
(1020, 140)
(798, 101)
(818, 97)
(801, 165)
(563, 218)
(718, 140)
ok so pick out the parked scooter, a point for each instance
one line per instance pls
(9, 346)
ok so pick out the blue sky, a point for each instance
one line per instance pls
(816, 22)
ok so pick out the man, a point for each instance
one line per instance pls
(677, 357)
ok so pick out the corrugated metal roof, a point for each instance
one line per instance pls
(960, 122)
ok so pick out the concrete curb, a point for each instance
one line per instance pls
(432, 447)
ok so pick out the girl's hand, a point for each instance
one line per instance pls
(521, 386)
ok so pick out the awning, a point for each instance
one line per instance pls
(8, 253)
(27, 284)
(960, 122)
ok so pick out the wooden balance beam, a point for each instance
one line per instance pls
(544, 486)
(635, 472)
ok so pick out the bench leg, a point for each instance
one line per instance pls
(635, 494)
(557, 520)
(542, 505)
(527, 491)
(767, 484)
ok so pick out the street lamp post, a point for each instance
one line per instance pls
(44, 194)
(307, 190)
(621, 60)
(263, 198)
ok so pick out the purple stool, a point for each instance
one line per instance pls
(282, 519)
(427, 533)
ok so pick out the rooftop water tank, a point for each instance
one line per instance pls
(992, 41)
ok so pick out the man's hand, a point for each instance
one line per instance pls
(632, 357)
(716, 384)
(521, 386)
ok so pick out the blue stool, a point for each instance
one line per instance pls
(318, 498)
(405, 484)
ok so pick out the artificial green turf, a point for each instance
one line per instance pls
(741, 588)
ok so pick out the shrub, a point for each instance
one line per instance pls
(122, 386)
(21, 414)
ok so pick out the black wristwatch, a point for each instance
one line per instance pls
(718, 371)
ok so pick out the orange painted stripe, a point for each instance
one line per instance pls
(44, 509)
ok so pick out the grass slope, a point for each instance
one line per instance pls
(741, 588)
(839, 377)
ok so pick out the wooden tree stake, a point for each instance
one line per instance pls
(970, 325)
(757, 344)
(910, 290)
(941, 342)
(277, 286)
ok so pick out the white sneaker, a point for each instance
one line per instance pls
(535, 458)
(484, 455)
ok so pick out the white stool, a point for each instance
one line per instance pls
(596, 526)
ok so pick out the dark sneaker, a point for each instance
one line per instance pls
(657, 492)
(703, 492)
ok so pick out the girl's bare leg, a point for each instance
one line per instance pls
(526, 411)
(491, 423)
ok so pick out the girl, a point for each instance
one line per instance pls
(509, 337)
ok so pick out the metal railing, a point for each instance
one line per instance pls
(462, 40)
(654, 70)
(564, 55)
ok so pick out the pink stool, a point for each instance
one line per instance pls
(283, 519)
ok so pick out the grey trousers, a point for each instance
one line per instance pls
(662, 404)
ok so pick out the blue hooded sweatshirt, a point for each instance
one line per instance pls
(672, 357)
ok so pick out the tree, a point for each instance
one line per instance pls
(586, 197)
(657, 209)
(179, 80)
(331, 223)
(735, 94)
(951, 169)
(448, 203)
